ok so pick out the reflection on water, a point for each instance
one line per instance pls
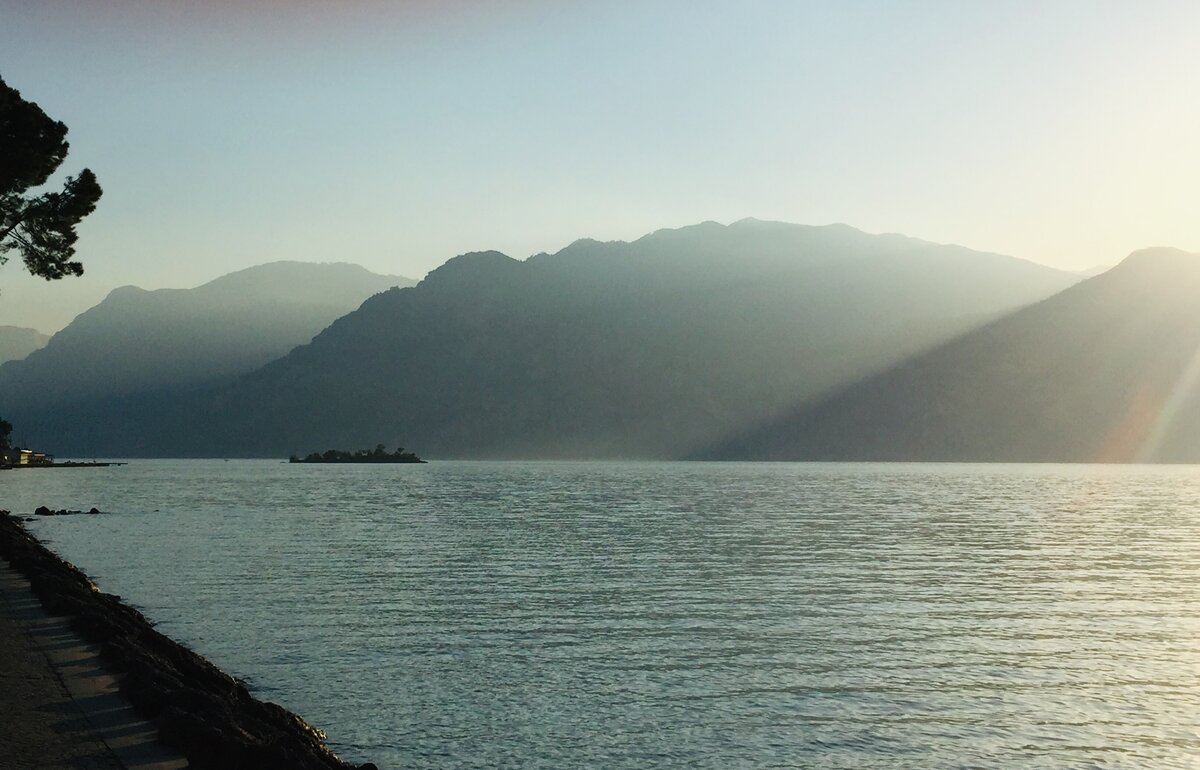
(559, 615)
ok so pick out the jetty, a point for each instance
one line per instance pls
(65, 464)
(23, 457)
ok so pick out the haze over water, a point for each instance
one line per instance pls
(644, 615)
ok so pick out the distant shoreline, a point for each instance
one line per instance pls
(65, 464)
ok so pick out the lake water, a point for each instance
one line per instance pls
(606, 615)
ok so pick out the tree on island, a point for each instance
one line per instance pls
(41, 227)
(377, 455)
(5, 433)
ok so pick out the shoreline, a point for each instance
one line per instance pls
(61, 704)
(198, 710)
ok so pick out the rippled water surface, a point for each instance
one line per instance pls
(576, 615)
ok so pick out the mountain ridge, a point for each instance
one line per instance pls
(17, 342)
(1072, 378)
(137, 339)
(641, 349)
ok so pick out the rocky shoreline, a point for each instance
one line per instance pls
(199, 710)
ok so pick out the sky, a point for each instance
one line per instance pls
(397, 135)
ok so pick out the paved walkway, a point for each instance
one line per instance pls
(59, 707)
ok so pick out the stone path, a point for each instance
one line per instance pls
(59, 706)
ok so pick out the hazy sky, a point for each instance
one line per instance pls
(399, 134)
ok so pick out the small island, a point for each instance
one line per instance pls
(377, 455)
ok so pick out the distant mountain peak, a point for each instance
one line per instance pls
(1161, 256)
(1100, 372)
(127, 290)
(292, 266)
(471, 262)
(685, 231)
(1153, 265)
(16, 342)
(137, 339)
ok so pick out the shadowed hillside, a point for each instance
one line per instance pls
(17, 342)
(138, 340)
(1106, 371)
(642, 349)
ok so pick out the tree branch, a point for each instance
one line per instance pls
(15, 224)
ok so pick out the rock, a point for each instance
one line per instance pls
(94, 510)
(191, 735)
(42, 510)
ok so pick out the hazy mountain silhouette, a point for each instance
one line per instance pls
(16, 342)
(137, 340)
(1106, 371)
(642, 349)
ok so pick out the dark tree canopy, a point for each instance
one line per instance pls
(40, 227)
